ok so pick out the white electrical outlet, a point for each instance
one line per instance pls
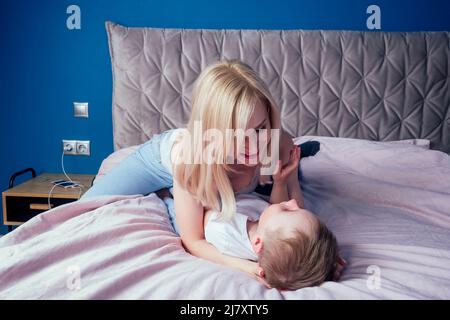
(77, 147)
(84, 148)
(69, 147)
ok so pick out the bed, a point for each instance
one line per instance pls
(378, 103)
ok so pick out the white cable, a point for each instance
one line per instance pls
(62, 165)
(77, 185)
(50, 193)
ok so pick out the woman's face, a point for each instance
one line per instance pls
(253, 147)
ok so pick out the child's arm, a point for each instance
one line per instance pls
(279, 192)
(295, 191)
(282, 177)
(293, 182)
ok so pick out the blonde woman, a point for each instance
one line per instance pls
(228, 97)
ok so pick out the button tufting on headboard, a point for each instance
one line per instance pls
(368, 85)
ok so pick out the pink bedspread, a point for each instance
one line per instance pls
(389, 206)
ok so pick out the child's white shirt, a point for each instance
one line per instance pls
(231, 237)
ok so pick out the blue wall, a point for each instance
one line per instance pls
(44, 67)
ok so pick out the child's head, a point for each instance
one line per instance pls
(295, 249)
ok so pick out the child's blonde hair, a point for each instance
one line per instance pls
(299, 260)
(223, 98)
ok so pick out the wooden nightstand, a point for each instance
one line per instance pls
(30, 198)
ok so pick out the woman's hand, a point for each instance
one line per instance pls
(283, 172)
(250, 267)
(340, 265)
(261, 278)
(255, 271)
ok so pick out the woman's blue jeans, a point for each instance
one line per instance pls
(140, 173)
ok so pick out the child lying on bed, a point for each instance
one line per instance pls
(293, 247)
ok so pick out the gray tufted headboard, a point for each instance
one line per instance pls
(369, 85)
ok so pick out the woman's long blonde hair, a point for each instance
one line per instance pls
(223, 98)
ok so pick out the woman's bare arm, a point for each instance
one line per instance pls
(189, 217)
